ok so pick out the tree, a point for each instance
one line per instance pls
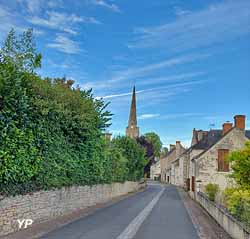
(46, 124)
(21, 51)
(240, 163)
(164, 151)
(148, 146)
(134, 154)
(149, 153)
(155, 140)
(152, 145)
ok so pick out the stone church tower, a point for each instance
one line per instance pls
(132, 130)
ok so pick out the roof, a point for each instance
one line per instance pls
(208, 140)
(170, 152)
(216, 135)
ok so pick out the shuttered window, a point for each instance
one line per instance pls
(223, 165)
(193, 183)
(188, 184)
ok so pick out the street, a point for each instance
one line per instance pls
(158, 212)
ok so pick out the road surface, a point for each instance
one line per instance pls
(156, 213)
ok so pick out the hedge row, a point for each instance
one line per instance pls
(50, 133)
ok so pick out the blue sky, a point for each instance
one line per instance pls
(189, 60)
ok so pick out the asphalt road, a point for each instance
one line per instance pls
(156, 213)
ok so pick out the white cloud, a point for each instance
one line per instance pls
(111, 6)
(145, 70)
(65, 44)
(181, 115)
(167, 79)
(179, 11)
(143, 81)
(36, 6)
(9, 20)
(152, 97)
(61, 21)
(216, 24)
(58, 65)
(32, 6)
(148, 116)
(118, 95)
(53, 3)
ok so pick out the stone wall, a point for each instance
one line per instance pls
(44, 205)
(207, 165)
(234, 228)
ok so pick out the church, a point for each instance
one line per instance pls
(132, 129)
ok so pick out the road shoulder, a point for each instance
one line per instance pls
(206, 226)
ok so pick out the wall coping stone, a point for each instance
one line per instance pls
(224, 210)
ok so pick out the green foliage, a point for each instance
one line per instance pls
(21, 51)
(155, 140)
(164, 151)
(134, 154)
(211, 190)
(50, 133)
(238, 202)
(240, 163)
(117, 164)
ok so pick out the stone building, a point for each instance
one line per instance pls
(132, 130)
(155, 170)
(179, 166)
(210, 166)
(186, 167)
(167, 168)
(201, 141)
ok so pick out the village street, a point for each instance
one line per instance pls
(156, 212)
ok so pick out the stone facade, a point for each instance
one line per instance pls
(200, 163)
(155, 170)
(167, 168)
(206, 166)
(45, 205)
(206, 161)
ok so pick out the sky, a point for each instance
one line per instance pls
(189, 60)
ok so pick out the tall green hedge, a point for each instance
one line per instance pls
(50, 133)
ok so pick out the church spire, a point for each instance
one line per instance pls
(132, 116)
(132, 129)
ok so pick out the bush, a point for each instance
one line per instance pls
(51, 134)
(135, 155)
(211, 190)
(238, 203)
(240, 163)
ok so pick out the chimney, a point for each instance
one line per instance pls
(108, 136)
(226, 127)
(200, 135)
(171, 146)
(178, 148)
(194, 138)
(239, 121)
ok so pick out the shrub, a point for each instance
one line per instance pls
(51, 133)
(135, 155)
(211, 190)
(238, 203)
(240, 163)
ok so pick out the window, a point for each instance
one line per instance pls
(193, 183)
(223, 165)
